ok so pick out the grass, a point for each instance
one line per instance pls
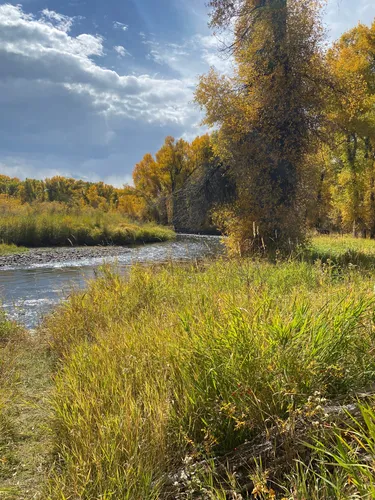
(238, 350)
(8, 333)
(343, 251)
(212, 380)
(11, 249)
(340, 244)
(53, 224)
(348, 455)
(25, 381)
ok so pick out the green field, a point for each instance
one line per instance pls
(204, 380)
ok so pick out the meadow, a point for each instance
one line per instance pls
(216, 379)
(55, 224)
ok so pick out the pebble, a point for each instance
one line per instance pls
(58, 254)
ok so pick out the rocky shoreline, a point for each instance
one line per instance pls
(43, 256)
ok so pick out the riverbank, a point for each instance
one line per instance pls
(53, 224)
(34, 286)
(9, 250)
(58, 255)
(212, 380)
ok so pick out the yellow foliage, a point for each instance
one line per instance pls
(268, 113)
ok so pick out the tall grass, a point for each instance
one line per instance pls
(342, 462)
(197, 360)
(25, 380)
(53, 224)
(342, 251)
(10, 335)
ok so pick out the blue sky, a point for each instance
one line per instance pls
(87, 87)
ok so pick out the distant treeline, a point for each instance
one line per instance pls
(178, 187)
(75, 193)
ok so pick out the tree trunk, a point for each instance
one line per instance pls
(351, 153)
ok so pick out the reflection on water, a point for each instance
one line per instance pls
(28, 294)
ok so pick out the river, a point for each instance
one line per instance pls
(29, 293)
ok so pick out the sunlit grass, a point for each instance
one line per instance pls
(25, 381)
(196, 360)
(341, 252)
(339, 244)
(56, 225)
(11, 249)
(10, 335)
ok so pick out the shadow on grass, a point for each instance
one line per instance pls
(349, 258)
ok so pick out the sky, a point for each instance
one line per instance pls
(87, 87)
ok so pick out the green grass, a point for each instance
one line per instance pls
(11, 249)
(234, 354)
(8, 332)
(343, 251)
(204, 380)
(342, 465)
(56, 225)
(337, 244)
(25, 444)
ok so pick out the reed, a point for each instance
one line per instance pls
(53, 224)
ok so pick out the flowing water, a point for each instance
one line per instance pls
(28, 293)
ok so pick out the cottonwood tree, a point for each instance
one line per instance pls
(352, 112)
(158, 180)
(269, 112)
(148, 181)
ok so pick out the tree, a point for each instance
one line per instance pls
(9, 186)
(269, 112)
(146, 177)
(205, 187)
(94, 199)
(148, 182)
(174, 163)
(175, 167)
(352, 62)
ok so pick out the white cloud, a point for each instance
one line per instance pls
(121, 51)
(192, 57)
(120, 26)
(61, 22)
(63, 112)
(213, 52)
(341, 15)
(50, 166)
(36, 51)
(18, 167)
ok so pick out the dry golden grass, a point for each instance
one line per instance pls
(54, 224)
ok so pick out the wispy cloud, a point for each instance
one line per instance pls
(121, 51)
(120, 26)
(191, 57)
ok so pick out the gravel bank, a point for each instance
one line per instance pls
(42, 256)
